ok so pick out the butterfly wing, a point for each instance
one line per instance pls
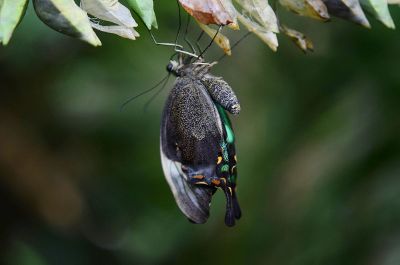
(191, 131)
(194, 201)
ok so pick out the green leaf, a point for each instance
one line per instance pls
(66, 17)
(11, 13)
(145, 9)
(154, 23)
(379, 9)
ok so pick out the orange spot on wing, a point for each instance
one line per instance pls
(216, 182)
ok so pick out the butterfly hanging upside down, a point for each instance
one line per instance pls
(197, 141)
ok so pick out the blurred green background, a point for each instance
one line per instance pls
(318, 147)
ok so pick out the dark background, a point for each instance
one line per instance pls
(317, 139)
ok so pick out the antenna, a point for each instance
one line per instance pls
(144, 92)
(156, 94)
(178, 48)
(236, 43)
(186, 32)
(198, 40)
(212, 40)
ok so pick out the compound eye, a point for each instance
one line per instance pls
(170, 67)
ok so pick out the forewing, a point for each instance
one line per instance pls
(190, 135)
(192, 126)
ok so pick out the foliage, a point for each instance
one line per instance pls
(67, 17)
(256, 15)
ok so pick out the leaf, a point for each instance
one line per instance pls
(109, 10)
(221, 40)
(260, 11)
(11, 13)
(259, 18)
(145, 9)
(112, 11)
(122, 31)
(154, 23)
(66, 17)
(379, 9)
(219, 12)
(315, 9)
(298, 38)
(348, 10)
(268, 37)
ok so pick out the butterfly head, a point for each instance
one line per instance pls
(174, 67)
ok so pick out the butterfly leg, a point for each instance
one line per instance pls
(186, 33)
(175, 45)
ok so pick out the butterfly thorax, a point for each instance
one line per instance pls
(219, 90)
(190, 69)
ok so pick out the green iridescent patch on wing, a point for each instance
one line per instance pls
(225, 168)
(232, 178)
(230, 136)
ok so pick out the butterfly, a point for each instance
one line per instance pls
(197, 142)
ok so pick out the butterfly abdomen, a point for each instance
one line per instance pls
(221, 93)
